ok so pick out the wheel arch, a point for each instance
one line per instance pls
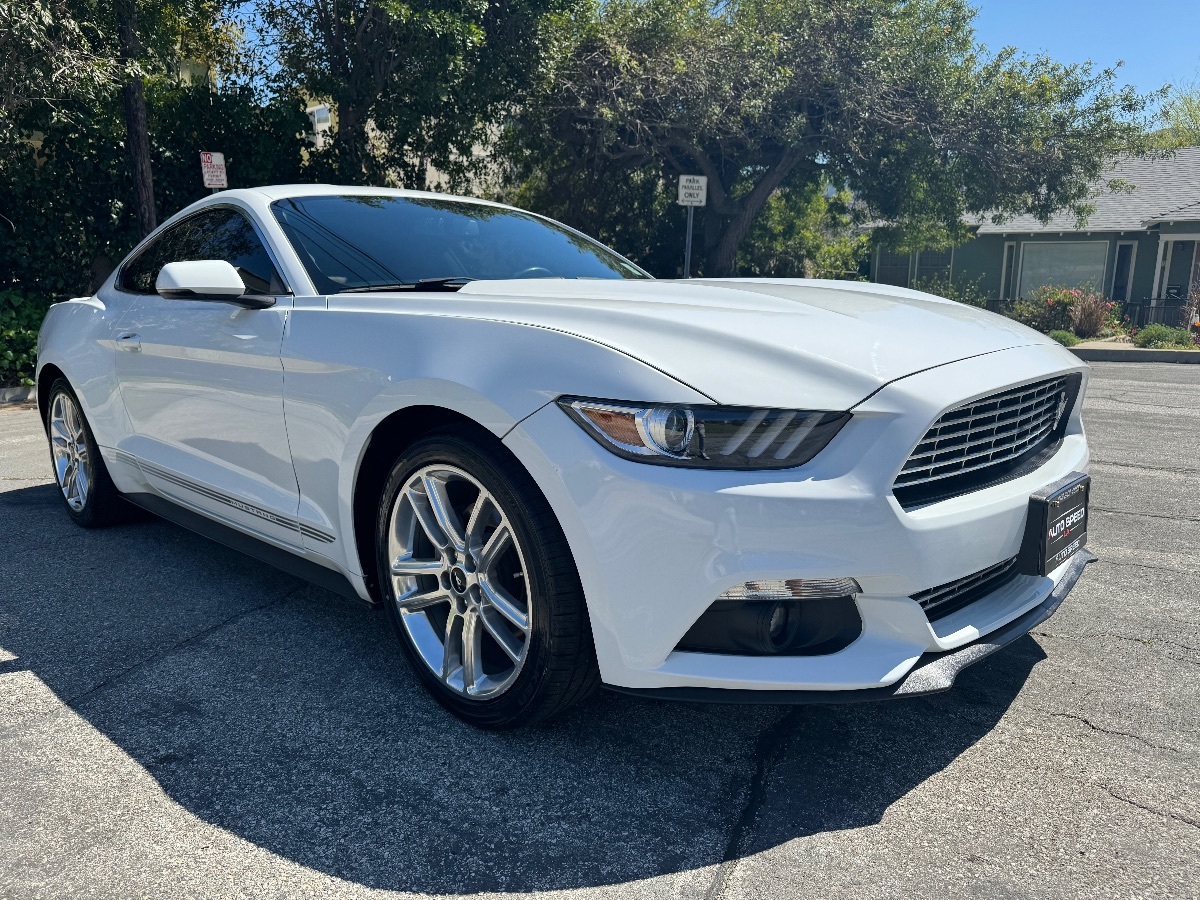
(49, 374)
(387, 440)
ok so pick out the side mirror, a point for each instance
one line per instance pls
(207, 279)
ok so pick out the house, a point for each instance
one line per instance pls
(1138, 247)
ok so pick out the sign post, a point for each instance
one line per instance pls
(212, 169)
(693, 192)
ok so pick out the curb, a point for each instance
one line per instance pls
(18, 395)
(1092, 354)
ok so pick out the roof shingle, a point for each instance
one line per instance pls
(1164, 189)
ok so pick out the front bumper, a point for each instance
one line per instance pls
(655, 546)
(932, 674)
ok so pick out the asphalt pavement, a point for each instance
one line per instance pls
(178, 720)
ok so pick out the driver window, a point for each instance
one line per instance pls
(214, 234)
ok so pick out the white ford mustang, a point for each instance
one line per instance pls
(553, 471)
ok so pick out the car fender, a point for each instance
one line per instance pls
(77, 338)
(337, 390)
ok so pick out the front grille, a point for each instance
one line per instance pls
(954, 595)
(979, 442)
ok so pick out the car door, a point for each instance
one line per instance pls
(202, 381)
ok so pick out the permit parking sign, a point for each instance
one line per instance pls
(212, 168)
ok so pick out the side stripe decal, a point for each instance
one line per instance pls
(283, 521)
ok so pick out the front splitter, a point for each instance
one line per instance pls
(932, 674)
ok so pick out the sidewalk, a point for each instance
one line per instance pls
(1112, 350)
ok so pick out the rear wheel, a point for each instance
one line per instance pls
(480, 585)
(91, 498)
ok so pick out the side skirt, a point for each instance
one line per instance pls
(305, 569)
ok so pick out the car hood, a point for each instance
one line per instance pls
(814, 344)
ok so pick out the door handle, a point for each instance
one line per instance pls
(129, 341)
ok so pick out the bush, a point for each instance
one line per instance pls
(1091, 314)
(1046, 309)
(1066, 338)
(20, 318)
(968, 292)
(1162, 337)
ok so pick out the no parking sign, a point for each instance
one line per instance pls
(212, 168)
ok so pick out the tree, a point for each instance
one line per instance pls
(1181, 117)
(890, 97)
(411, 83)
(805, 231)
(67, 198)
(137, 137)
(48, 56)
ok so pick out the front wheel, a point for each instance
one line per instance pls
(480, 585)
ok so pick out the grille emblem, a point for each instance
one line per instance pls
(1062, 407)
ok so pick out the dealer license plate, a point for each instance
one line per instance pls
(1057, 526)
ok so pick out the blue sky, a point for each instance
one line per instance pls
(1160, 42)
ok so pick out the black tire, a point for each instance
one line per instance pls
(101, 502)
(559, 665)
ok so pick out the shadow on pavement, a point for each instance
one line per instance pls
(286, 716)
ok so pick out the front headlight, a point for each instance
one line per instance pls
(706, 437)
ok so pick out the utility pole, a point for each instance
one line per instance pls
(136, 128)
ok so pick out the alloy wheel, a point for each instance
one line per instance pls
(68, 442)
(459, 581)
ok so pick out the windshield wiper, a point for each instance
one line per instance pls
(451, 283)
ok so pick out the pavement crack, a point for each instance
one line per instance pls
(1092, 725)
(1155, 644)
(1132, 565)
(185, 642)
(1146, 515)
(1187, 820)
(1143, 467)
(767, 750)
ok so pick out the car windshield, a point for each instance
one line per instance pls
(376, 242)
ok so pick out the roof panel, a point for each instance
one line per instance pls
(1161, 186)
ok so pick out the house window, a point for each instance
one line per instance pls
(1008, 271)
(892, 267)
(1122, 285)
(934, 264)
(1069, 264)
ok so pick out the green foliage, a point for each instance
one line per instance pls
(430, 77)
(20, 318)
(1163, 337)
(1066, 338)
(891, 97)
(959, 290)
(263, 143)
(632, 211)
(1181, 118)
(65, 202)
(804, 232)
(67, 199)
(50, 56)
(1045, 309)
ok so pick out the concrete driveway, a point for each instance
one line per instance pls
(177, 720)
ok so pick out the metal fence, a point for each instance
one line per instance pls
(1169, 312)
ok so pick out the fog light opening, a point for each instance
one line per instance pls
(786, 617)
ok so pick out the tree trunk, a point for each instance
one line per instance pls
(727, 236)
(351, 140)
(721, 260)
(137, 131)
